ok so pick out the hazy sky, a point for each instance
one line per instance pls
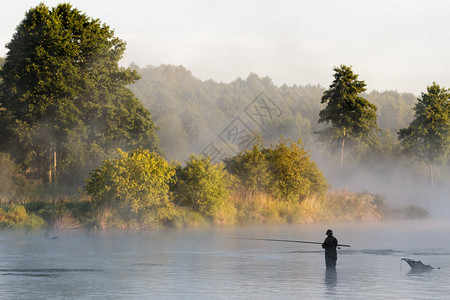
(392, 45)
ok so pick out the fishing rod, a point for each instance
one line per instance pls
(288, 241)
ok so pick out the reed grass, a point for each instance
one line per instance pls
(243, 207)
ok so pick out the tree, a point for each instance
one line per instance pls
(351, 116)
(2, 62)
(67, 103)
(428, 136)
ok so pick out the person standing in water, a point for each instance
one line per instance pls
(330, 244)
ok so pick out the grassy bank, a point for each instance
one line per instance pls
(17, 217)
(243, 208)
(256, 208)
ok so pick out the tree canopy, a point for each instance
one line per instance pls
(351, 116)
(428, 136)
(66, 99)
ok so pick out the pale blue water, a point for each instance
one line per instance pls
(211, 264)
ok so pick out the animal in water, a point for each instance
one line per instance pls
(417, 265)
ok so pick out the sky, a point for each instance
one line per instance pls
(392, 45)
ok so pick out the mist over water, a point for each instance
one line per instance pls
(400, 184)
(212, 264)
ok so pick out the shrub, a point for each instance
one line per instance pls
(202, 185)
(252, 168)
(285, 171)
(294, 175)
(8, 170)
(346, 205)
(65, 213)
(14, 184)
(16, 216)
(133, 184)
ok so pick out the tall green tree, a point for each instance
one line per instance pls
(68, 106)
(428, 136)
(352, 117)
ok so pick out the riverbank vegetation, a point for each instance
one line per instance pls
(86, 143)
(141, 190)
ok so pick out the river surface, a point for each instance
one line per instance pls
(215, 263)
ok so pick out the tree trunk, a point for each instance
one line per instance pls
(50, 177)
(342, 156)
(54, 167)
(431, 176)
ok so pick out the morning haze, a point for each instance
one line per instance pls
(394, 45)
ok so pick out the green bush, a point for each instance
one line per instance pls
(16, 216)
(75, 209)
(252, 168)
(136, 183)
(284, 171)
(294, 175)
(202, 185)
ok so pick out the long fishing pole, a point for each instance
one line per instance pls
(288, 241)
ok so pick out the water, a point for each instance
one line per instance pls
(212, 264)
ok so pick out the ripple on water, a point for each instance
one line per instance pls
(45, 272)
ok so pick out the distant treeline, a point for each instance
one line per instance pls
(191, 112)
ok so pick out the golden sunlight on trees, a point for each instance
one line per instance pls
(136, 185)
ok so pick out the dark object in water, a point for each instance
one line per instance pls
(417, 265)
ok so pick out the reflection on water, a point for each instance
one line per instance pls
(212, 264)
(330, 278)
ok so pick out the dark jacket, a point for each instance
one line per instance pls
(330, 245)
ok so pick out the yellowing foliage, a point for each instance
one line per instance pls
(132, 184)
(284, 171)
